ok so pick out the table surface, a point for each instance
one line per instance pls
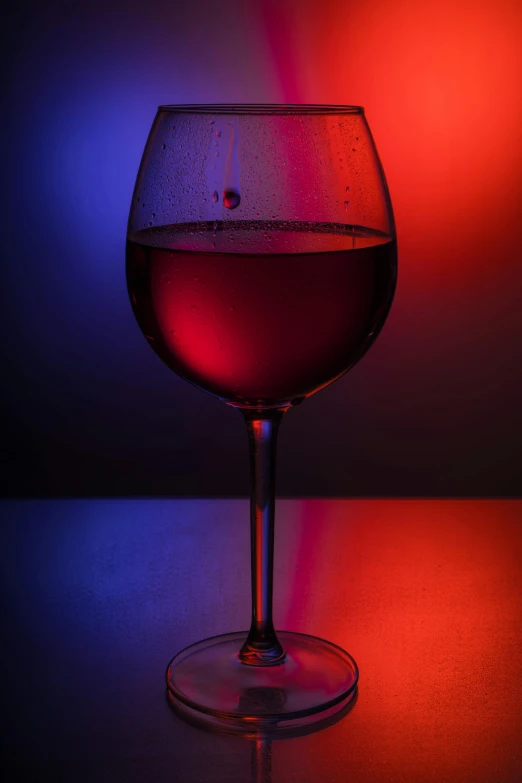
(426, 595)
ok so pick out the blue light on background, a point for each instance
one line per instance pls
(87, 398)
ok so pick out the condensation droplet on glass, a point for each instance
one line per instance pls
(218, 133)
(215, 197)
(150, 222)
(346, 205)
(153, 214)
(347, 188)
(231, 198)
(214, 245)
(163, 146)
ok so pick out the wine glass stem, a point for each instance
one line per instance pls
(262, 647)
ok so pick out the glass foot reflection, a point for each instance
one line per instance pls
(316, 677)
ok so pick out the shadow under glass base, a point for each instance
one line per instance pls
(314, 678)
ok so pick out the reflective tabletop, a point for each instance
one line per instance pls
(98, 595)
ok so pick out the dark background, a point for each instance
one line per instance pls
(433, 409)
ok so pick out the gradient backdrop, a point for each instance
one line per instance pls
(433, 409)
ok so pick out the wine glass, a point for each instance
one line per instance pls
(261, 266)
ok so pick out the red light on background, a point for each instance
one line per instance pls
(442, 91)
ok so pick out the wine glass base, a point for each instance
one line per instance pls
(315, 679)
(269, 728)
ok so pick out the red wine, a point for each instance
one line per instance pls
(260, 314)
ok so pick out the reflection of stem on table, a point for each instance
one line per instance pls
(261, 761)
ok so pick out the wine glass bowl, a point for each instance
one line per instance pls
(267, 297)
(261, 266)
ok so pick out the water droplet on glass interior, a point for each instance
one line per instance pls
(346, 205)
(231, 198)
(215, 197)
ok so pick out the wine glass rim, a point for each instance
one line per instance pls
(260, 108)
